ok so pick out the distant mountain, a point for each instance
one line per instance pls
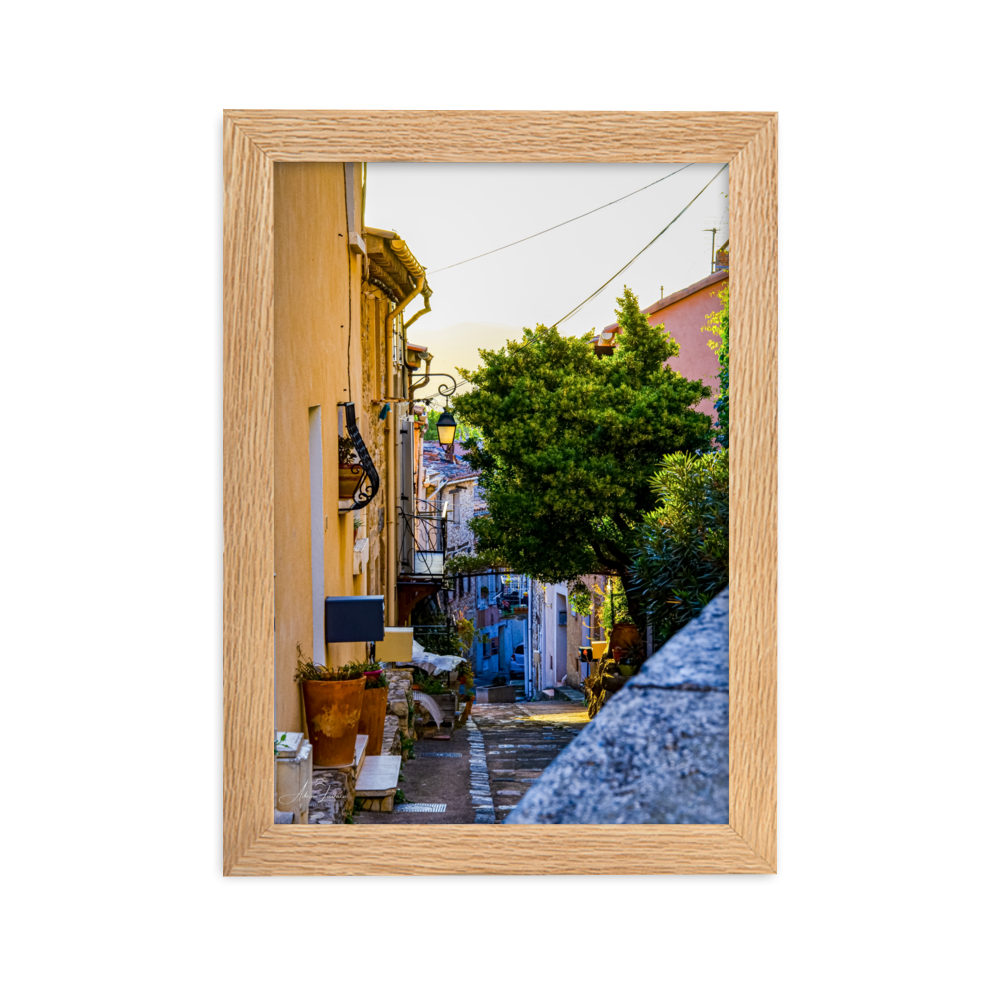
(458, 346)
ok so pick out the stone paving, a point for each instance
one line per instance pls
(513, 745)
(480, 774)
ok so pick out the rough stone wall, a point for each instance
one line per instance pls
(459, 535)
(400, 703)
(574, 640)
(332, 796)
(658, 752)
(390, 736)
(535, 624)
(375, 308)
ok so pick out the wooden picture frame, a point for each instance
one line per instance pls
(254, 140)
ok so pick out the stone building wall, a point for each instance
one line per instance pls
(461, 497)
(536, 625)
(400, 701)
(574, 640)
(375, 307)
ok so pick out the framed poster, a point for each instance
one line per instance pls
(256, 144)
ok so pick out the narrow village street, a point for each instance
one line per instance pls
(469, 517)
(480, 774)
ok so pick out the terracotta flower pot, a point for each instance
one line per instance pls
(333, 712)
(350, 478)
(624, 636)
(372, 723)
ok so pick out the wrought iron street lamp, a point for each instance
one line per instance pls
(446, 427)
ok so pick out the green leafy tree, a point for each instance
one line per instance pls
(581, 599)
(681, 559)
(614, 607)
(718, 326)
(570, 443)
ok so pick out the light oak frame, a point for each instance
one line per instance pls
(253, 141)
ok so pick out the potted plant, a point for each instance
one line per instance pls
(351, 472)
(357, 524)
(373, 707)
(331, 703)
(624, 634)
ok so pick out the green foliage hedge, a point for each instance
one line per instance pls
(681, 560)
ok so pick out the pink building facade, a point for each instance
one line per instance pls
(685, 314)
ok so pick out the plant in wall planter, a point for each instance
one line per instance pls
(331, 703)
(351, 472)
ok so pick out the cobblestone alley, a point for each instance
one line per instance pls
(480, 774)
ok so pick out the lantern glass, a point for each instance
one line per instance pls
(446, 429)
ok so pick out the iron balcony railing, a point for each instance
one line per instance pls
(423, 540)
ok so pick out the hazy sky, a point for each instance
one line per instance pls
(447, 212)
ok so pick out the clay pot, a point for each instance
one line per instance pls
(333, 712)
(624, 636)
(350, 478)
(372, 723)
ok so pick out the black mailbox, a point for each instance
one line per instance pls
(355, 619)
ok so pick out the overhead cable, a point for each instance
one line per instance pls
(566, 223)
(574, 311)
(530, 337)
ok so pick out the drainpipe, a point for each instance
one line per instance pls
(391, 459)
(417, 315)
(428, 358)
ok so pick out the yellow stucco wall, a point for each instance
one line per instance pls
(317, 304)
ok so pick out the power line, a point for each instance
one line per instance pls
(566, 223)
(573, 312)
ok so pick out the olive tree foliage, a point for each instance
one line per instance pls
(570, 443)
(681, 558)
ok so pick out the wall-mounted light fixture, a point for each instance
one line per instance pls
(443, 389)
